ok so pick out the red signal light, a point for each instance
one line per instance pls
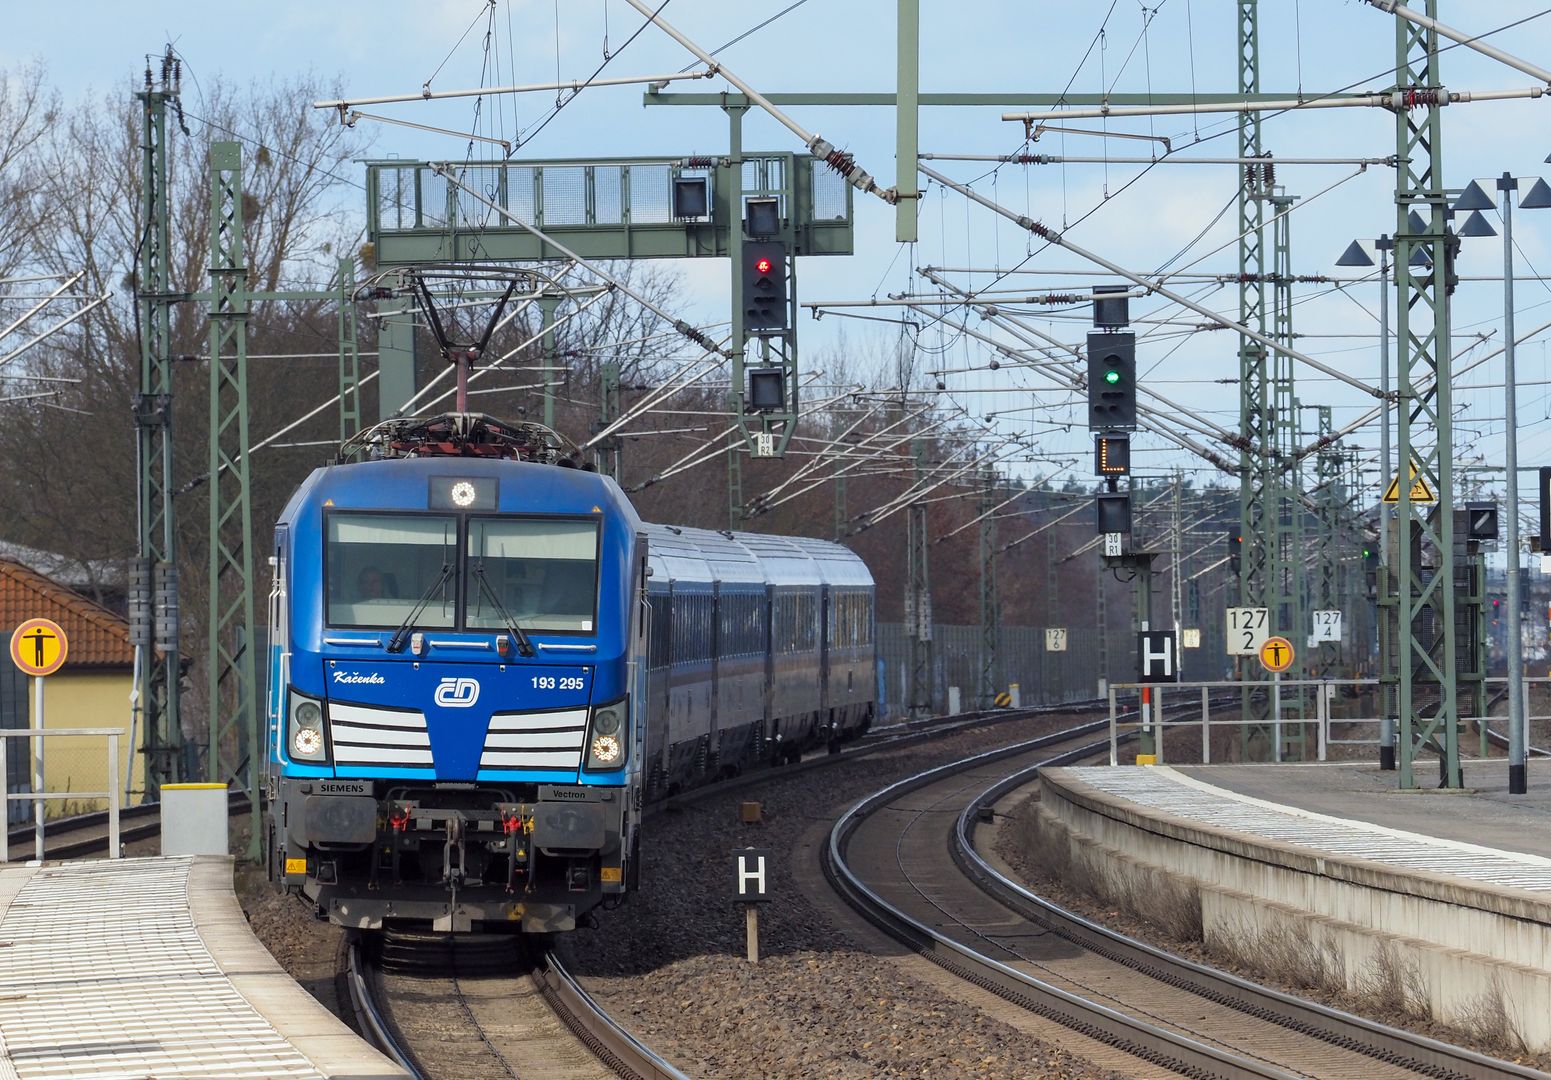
(763, 266)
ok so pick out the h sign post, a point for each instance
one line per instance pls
(750, 868)
(1155, 657)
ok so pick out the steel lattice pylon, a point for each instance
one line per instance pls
(990, 602)
(1330, 496)
(1425, 632)
(608, 412)
(349, 352)
(1257, 476)
(1283, 491)
(918, 600)
(157, 566)
(230, 667)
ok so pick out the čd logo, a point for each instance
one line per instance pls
(457, 693)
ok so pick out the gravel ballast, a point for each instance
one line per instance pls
(670, 962)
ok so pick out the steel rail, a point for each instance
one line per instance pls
(1339, 1028)
(610, 1041)
(374, 1026)
(1146, 1041)
(58, 842)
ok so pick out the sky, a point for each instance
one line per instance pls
(1143, 218)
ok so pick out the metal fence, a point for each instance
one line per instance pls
(1043, 677)
(13, 714)
(38, 795)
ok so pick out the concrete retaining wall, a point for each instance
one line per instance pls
(1476, 958)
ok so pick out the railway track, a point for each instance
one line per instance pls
(905, 858)
(473, 1007)
(83, 835)
(523, 1014)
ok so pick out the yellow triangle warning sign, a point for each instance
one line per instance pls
(1421, 492)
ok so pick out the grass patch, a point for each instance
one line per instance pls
(1284, 952)
(1160, 899)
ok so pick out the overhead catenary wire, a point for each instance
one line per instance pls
(344, 105)
(816, 144)
(1393, 100)
(1061, 241)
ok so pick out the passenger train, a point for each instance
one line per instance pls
(483, 663)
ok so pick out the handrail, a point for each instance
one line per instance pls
(1322, 719)
(37, 796)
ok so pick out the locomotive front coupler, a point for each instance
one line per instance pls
(453, 874)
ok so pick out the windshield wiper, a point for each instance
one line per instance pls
(524, 646)
(401, 635)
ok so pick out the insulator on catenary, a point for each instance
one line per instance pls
(166, 607)
(841, 162)
(140, 603)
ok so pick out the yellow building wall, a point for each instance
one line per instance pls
(84, 699)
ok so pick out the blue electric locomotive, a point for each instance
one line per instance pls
(477, 671)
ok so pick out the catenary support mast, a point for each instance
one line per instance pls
(1425, 632)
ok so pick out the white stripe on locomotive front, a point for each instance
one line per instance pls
(373, 755)
(357, 714)
(496, 759)
(359, 736)
(570, 718)
(565, 740)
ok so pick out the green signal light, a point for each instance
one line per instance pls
(1112, 377)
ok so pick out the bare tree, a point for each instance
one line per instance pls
(28, 110)
(84, 213)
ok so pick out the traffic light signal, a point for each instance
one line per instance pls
(1111, 381)
(1112, 453)
(1114, 511)
(764, 286)
(1235, 552)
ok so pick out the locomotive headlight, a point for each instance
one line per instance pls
(607, 745)
(307, 743)
(607, 719)
(606, 749)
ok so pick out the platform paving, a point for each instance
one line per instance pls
(1480, 813)
(138, 968)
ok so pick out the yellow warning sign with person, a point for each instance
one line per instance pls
(1276, 654)
(38, 647)
(1421, 490)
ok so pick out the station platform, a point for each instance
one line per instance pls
(1441, 899)
(140, 968)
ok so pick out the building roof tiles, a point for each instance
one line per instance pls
(98, 638)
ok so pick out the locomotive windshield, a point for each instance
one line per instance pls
(379, 565)
(545, 572)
